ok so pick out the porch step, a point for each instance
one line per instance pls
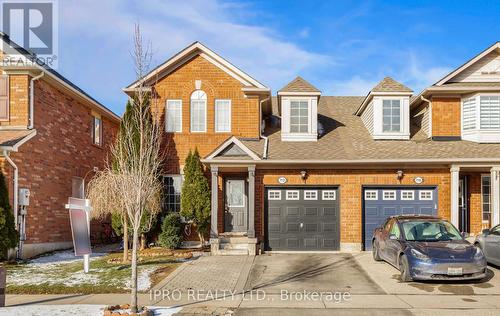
(233, 240)
(233, 252)
(233, 246)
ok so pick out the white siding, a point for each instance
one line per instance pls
(487, 69)
(367, 117)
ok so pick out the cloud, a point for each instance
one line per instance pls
(353, 86)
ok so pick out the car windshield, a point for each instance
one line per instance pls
(429, 230)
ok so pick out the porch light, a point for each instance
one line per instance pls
(399, 175)
(303, 174)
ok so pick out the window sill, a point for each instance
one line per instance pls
(389, 136)
(97, 146)
(482, 135)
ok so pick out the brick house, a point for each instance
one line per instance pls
(304, 171)
(53, 136)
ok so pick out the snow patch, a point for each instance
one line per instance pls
(75, 309)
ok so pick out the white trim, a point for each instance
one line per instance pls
(370, 96)
(467, 64)
(403, 198)
(327, 198)
(484, 175)
(490, 160)
(203, 98)
(292, 93)
(292, 192)
(311, 198)
(420, 193)
(237, 142)
(166, 118)
(368, 198)
(205, 52)
(390, 192)
(271, 192)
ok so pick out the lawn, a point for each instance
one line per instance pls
(62, 273)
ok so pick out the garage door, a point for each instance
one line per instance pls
(305, 218)
(380, 203)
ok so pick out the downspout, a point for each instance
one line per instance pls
(430, 114)
(266, 140)
(32, 101)
(16, 177)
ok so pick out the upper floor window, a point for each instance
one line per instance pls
(391, 115)
(481, 118)
(97, 130)
(299, 116)
(490, 111)
(198, 111)
(222, 115)
(173, 113)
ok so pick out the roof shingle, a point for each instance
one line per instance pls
(390, 85)
(299, 85)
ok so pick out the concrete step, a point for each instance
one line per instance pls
(233, 240)
(229, 246)
(233, 252)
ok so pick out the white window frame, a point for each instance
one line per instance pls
(311, 198)
(325, 195)
(97, 141)
(421, 198)
(486, 175)
(406, 198)
(274, 195)
(167, 106)
(393, 192)
(371, 198)
(475, 132)
(400, 115)
(308, 124)
(217, 127)
(292, 192)
(198, 95)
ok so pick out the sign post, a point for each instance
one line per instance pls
(79, 215)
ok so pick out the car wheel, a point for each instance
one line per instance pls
(404, 268)
(376, 255)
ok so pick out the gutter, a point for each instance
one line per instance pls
(16, 184)
(266, 139)
(32, 101)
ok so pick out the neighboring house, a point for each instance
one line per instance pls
(53, 137)
(304, 171)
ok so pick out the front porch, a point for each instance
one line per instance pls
(232, 230)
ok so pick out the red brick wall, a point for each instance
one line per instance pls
(18, 101)
(446, 117)
(61, 150)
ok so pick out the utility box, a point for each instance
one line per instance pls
(24, 197)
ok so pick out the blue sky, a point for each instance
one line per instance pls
(342, 47)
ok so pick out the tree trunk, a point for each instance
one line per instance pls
(143, 241)
(125, 238)
(133, 298)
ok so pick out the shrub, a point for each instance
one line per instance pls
(170, 236)
(8, 233)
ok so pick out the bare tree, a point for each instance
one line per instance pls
(133, 184)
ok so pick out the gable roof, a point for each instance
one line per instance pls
(10, 140)
(54, 74)
(189, 52)
(299, 84)
(390, 85)
(466, 65)
(235, 145)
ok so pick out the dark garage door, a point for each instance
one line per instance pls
(305, 218)
(380, 203)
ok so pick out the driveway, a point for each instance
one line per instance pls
(310, 272)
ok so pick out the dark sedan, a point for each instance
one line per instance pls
(427, 248)
(489, 242)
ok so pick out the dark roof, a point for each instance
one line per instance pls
(299, 84)
(390, 85)
(32, 56)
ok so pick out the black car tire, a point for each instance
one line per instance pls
(404, 268)
(376, 255)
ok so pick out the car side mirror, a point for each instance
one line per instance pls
(486, 232)
(393, 237)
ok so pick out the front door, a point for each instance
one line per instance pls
(463, 204)
(235, 214)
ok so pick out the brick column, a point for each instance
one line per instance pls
(455, 172)
(251, 201)
(215, 207)
(495, 195)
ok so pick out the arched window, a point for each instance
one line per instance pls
(198, 111)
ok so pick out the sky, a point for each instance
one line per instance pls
(341, 47)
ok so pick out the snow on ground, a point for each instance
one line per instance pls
(66, 256)
(143, 280)
(75, 309)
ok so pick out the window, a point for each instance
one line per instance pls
(389, 195)
(199, 111)
(485, 197)
(371, 195)
(173, 116)
(172, 185)
(77, 188)
(222, 115)
(425, 195)
(292, 195)
(407, 195)
(299, 116)
(391, 115)
(490, 112)
(469, 114)
(329, 195)
(235, 193)
(274, 195)
(395, 230)
(495, 230)
(310, 195)
(4, 98)
(97, 131)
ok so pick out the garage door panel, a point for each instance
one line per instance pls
(376, 211)
(305, 223)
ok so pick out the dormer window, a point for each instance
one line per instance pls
(481, 118)
(391, 116)
(299, 116)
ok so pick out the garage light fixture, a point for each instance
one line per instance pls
(399, 175)
(303, 175)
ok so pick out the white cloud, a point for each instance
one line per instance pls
(353, 86)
